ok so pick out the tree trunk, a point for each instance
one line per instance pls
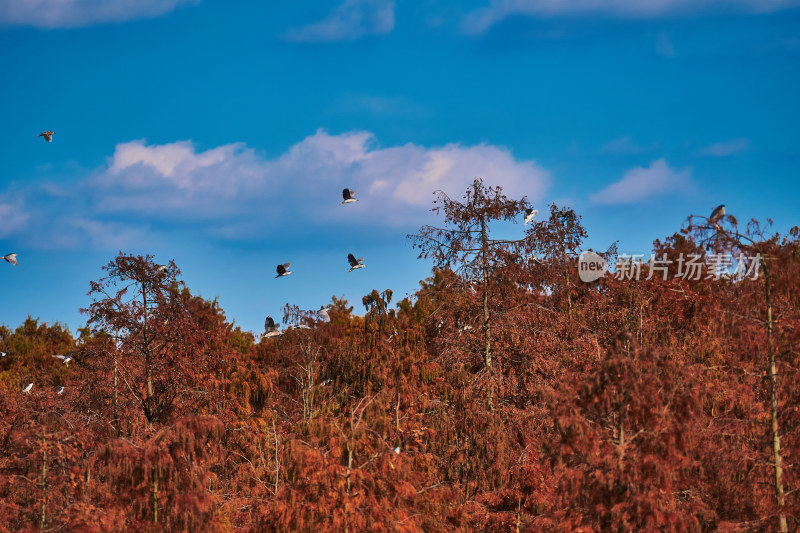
(773, 379)
(487, 335)
(44, 485)
(116, 403)
(349, 465)
(277, 463)
(149, 407)
(155, 496)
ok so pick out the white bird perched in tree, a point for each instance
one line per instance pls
(396, 450)
(716, 215)
(11, 258)
(64, 358)
(297, 326)
(60, 390)
(323, 314)
(529, 214)
(326, 382)
(27, 389)
(48, 135)
(355, 263)
(347, 194)
(283, 270)
(3, 354)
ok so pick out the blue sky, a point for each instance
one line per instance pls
(220, 134)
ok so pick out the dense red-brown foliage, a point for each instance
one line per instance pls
(616, 405)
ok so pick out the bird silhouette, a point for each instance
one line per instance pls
(355, 263)
(48, 135)
(283, 270)
(323, 314)
(66, 359)
(716, 216)
(347, 194)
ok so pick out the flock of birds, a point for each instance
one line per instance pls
(271, 328)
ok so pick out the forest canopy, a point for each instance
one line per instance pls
(507, 394)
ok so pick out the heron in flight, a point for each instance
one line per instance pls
(529, 214)
(355, 263)
(347, 194)
(283, 270)
(270, 325)
(66, 359)
(271, 328)
(48, 135)
(323, 314)
(11, 258)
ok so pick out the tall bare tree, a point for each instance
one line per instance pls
(465, 245)
(141, 302)
(767, 257)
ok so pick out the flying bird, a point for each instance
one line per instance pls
(323, 314)
(48, 135)
(355, 263)
(27, 389)
(60, 390)
(347, 194)
(283, 270)
(529, 214)
(64, 358)
(716, 215)
(271, 328)
(161, 268)
(270, 325)
(11, 258)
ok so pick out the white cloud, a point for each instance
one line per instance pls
(624, 146)
(232, 192)
(175, 180)
(12, 217)
(480, 20)
(723, 149)
(351, 20)
(76, 13)
(642, 183)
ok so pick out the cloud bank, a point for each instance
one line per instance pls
(724, 149)
(351, 20)
(480, 20)
(232, 192)
(77, 13)
(639, 184)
